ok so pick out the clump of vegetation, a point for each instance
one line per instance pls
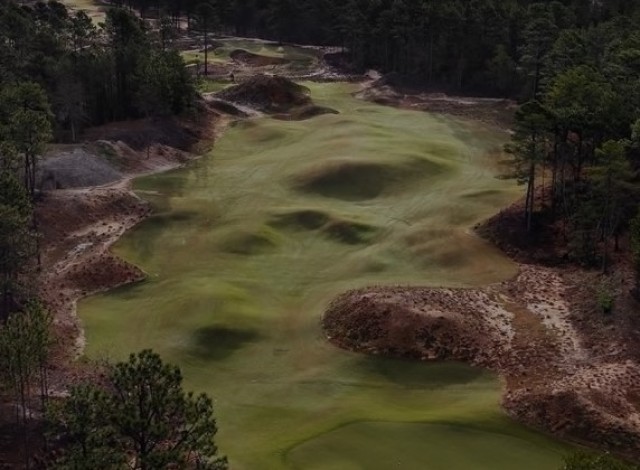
(90, 74)
(141, 418)
(606, 296)
(25, 340)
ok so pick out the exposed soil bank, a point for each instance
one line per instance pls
(567, 368)
(80, 222)
(493, 111)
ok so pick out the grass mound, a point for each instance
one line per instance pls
(305, 112)
(359, 181)
(337, 229)
(307, 219)
(256, 60)
(349, 232)
(250, 243)
(269, 94)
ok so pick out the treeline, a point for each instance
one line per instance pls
(91, 74)
(576, 142)
(488, 46)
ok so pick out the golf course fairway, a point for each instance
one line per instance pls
(248, 246)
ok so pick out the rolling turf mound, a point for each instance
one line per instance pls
(250, 242)
(352, 180)
(341, 230)
(305, 112)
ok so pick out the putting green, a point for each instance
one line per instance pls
(247, 247)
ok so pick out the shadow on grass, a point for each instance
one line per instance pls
(418, 374)
(219, 342)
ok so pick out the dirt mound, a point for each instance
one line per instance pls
(382, 322)
(359, 181)
(268, 94)
(335, 228)
(78, 227)
(526, 330)
(78, 168)
(256, 60)
(143, 133)
(572, 414)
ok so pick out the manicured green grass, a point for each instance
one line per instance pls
(248, 246)
(443, 447)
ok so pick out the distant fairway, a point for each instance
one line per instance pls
(90, 7)
(248, 246)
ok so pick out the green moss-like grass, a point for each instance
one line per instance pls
(236, 290)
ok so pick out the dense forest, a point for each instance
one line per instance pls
(90, 74)
(491, 46)
(59, 73)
